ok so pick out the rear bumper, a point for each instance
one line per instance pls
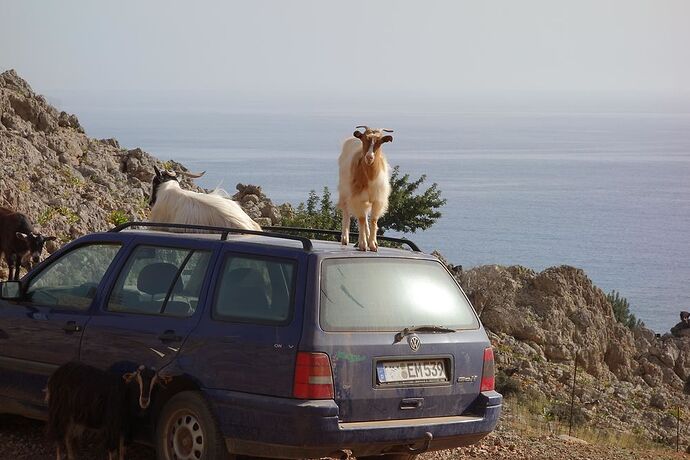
(289, 428)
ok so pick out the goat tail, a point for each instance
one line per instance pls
(220, 192)
(239, 218)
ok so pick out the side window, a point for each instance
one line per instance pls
(254, 290)
(160, 281)
(72, 280)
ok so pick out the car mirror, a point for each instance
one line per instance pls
(10, 290)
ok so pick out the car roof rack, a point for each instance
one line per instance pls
(405, 241)
(224, 231)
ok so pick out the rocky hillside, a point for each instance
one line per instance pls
(628, 381)
(70, 184)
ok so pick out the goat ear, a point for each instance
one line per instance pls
(385, 139)
(21, 236)
(165, 379)
(357, 134)
(158, 172)
(129, 376)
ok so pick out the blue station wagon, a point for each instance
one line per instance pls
(279, 345)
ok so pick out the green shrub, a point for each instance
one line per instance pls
(621, 310)
(408, 210)
(46, 216)
(118, 217)
(318, 212)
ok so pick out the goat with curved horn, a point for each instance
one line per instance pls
(171, 204)
(364, 184)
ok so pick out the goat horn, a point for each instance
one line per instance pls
(365, 127)
(192, 175)
(385, 130)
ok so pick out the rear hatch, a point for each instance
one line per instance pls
(403, 340)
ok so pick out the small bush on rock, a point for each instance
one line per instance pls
(118, 217)
(621, 310)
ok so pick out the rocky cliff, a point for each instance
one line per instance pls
(628, 380)
(70, 184)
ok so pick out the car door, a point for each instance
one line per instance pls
(151, 306)
(44, 329)
(254, 323)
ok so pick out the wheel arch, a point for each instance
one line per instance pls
(178, 384)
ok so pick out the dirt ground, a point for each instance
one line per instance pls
(23, 439)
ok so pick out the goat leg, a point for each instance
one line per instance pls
(345, 229)
(17, 268)
(9, 259)
(69, 446)
(376, 212)
(363, 233)
(373, 244)
(122, 448)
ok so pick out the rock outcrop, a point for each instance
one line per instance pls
(628, 379)
(257, 205)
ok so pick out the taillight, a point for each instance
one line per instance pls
(313, 376)
(488, 379)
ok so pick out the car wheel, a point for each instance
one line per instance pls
(187, 430)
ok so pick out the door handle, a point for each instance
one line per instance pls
(411, 403)
(169, 336)
(71, 326)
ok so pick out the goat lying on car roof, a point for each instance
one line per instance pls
(170, 204)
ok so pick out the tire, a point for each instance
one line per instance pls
(188, 430)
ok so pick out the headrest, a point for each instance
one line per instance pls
(156, 278)
(245, 276)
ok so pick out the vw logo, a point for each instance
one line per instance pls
(414, 342)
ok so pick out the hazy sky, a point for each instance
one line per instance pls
(402, 46)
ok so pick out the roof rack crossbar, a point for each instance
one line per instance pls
(409, 243)
(224, 231)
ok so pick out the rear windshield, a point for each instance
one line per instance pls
(389, 295)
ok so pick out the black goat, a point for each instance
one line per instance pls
(18, 241)
(82, 397)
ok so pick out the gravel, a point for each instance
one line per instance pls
(23, 439)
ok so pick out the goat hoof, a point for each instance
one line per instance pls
(362, 247)
(344, 241)
(373, 247)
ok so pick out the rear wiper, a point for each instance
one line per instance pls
(427, 328)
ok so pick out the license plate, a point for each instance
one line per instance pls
(432, 370)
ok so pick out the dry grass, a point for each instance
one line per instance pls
(531, 417)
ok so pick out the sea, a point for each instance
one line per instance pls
(598, 182)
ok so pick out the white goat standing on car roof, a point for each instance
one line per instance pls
(171, 204)
(364, 185)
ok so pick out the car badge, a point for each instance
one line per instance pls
(414, 342)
